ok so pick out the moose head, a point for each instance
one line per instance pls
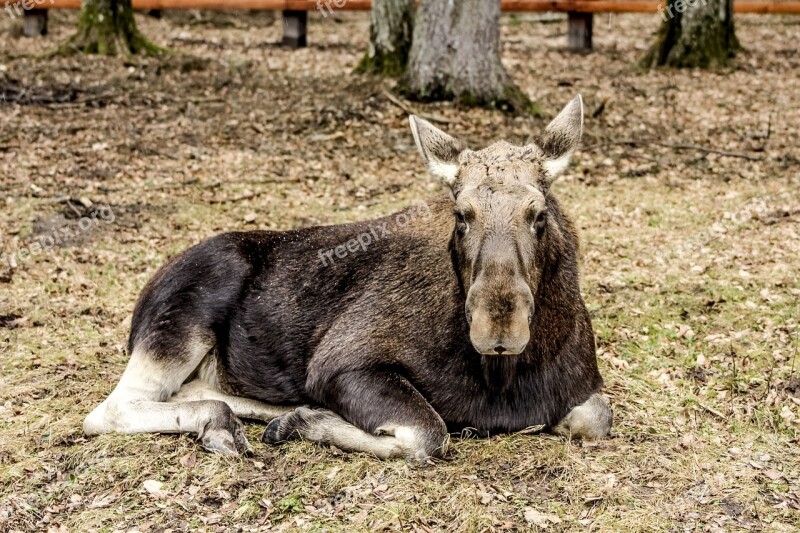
(502, 233)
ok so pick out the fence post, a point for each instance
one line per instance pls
(34, 22)
(294, 28)
(579, 31)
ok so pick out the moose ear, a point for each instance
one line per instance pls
(561, 138)
(439, 151)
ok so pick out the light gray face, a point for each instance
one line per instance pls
(500, 219)
(501, 222)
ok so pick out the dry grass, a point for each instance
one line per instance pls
(690, 270)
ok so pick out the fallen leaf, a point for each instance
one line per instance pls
(155, 488)
(101, 501)
(211, 519)
(542, 520)
(189, 460)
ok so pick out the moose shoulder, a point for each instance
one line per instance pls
(463, 312)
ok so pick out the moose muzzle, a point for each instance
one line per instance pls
(499, 310)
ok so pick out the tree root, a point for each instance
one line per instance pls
(108, 28)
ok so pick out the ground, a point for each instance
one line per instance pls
(689, 268)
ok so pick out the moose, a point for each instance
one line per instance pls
(466, 316)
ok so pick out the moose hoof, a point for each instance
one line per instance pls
(419, 460)
(591, 420)
(276, 431)
(225, 435)
(302, 422)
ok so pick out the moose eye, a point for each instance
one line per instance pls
(461, 223)
(539, 223)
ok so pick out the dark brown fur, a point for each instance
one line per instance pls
(361, 335)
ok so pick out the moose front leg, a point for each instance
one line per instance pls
(375, 412)
(590, 420)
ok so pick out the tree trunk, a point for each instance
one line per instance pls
(392, 24)
(455, 54)
(695, 33)
(107, 27)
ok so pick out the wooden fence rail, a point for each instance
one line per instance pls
(295, 12)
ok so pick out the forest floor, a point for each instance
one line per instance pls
(690, 262)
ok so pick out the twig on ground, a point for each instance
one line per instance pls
(253, 194)
(193, 99)
(57, 200)
(205, 99)
(712, 411)
(634, 142)
(411, 111)
(146, 150)
(645, 157)
(530, 430)
(794, 357)
(768, 385)
(237, 198)
(192, 181)
(74, 209)
(76, 103)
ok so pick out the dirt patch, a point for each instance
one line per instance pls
(79, 221)
(11, 321)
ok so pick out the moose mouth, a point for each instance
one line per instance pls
(505, 348)
(508, 336)
(500, 351)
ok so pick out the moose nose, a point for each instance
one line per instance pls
(499, 349)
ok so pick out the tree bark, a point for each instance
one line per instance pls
(391, 27)
(455, 54)
(107, 27)
(695, 33)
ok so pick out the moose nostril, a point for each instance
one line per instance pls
(500, 349)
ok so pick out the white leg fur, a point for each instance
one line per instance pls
(590, 420)
(326, 427)
(144, 380)
(400, 442)
(243, 407)
(137, 405)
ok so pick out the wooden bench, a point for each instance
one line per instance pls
(295, 12)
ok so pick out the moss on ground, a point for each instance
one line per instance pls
(107, 28)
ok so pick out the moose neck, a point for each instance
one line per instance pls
(499, 372)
